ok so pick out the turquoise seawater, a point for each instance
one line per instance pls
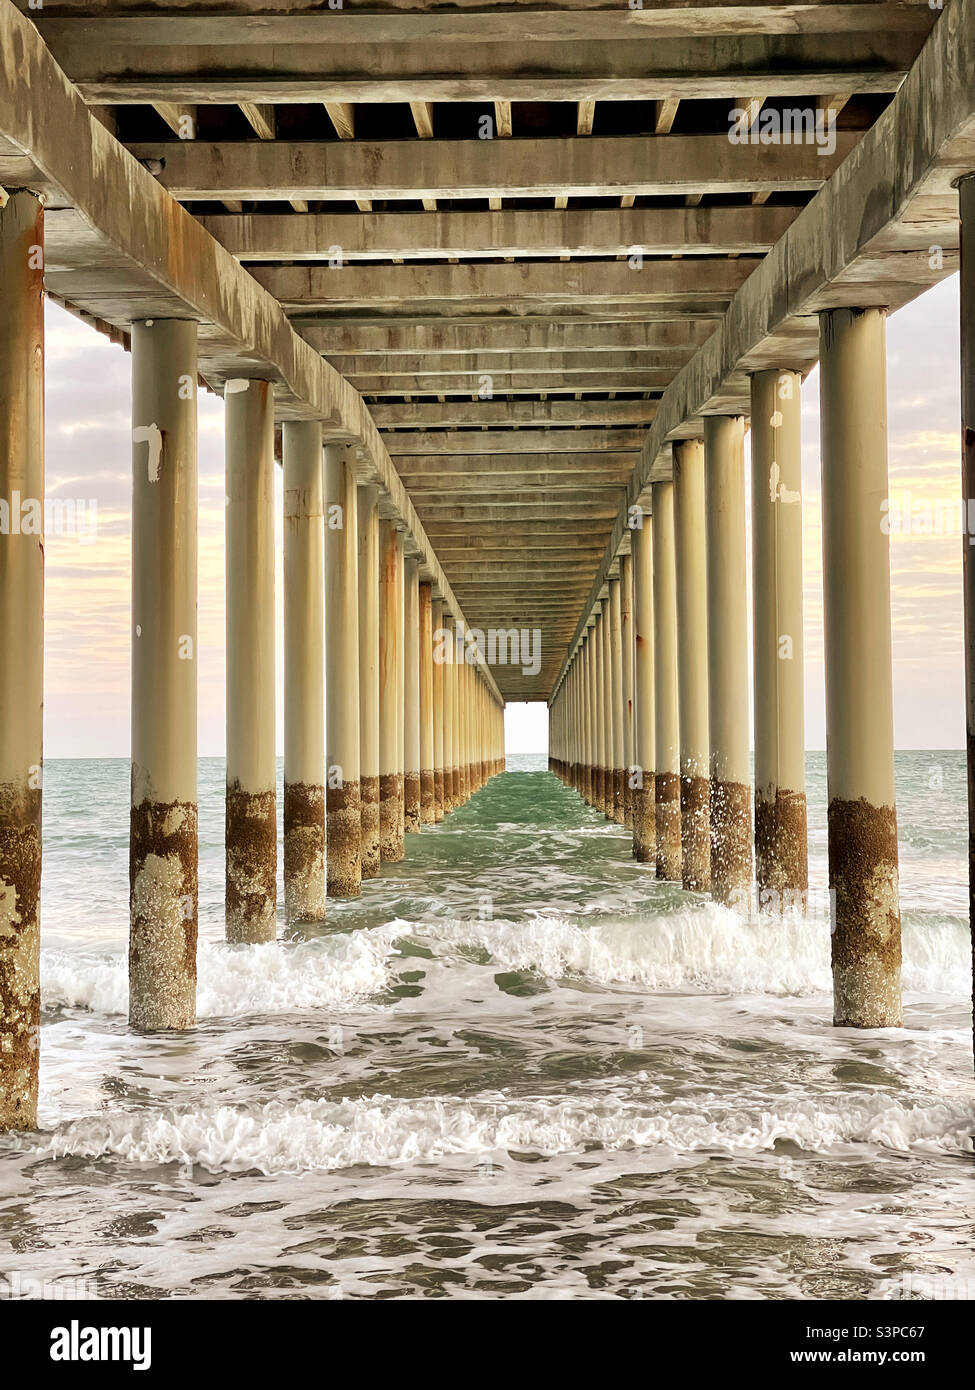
(517, 1067)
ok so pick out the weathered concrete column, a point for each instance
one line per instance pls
(731, 802)
(608, 704)
(342, 799)
(367, 503)
(411, 676)
(428, 808)
(21, 651)
(163, 895)
(603, 797)
(644, 757)
(626, 642)
(596, 775)
(449, 714)
(692, 664)
(304, 672)
(666, 721)
(456, 772)
(616, 697)
(251, 807)
(436, 655)
(862, 819)
(390, 692)
(781, 861)
(966, 205)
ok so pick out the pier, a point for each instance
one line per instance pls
(501, 292)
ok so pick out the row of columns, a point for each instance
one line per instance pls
(677, 695)
(390, 722)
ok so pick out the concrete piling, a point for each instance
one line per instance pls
(667, 815)
(727, 631)
(436, 657)
(692, 663)
(862, 820)
(342, 802)
(163, 843)
(368, 551)
(615, 708)
(626, 642)
(411, 684)
(391, 818)
(22, 648)
(599, 711)
(644, 793)
(428, 800)
(251, 806)
(781, 860)
(304, 672)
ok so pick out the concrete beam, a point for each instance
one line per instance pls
(301, 289)
(535, 336)
(423, 443)
(117, 68)
(511, 414)
(150, 23)
(498, 364)
(538, 232)
(330, 171)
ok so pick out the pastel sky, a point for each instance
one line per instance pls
(88, 459)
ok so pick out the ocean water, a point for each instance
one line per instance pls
(517, 1067)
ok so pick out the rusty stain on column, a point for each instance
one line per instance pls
(861, 814)
(666, 705)
(449, 708)
(342, 802)
(390, 692)
(367, 504)
(599, 711)
(251, 808)
(692, 664)
(644, 798)
(304, 672)
(616, 697)
(727, 597)
(629, 697)
(22, 646)
(411, 679)
(163, 854)
(428, 806)
(781, 860)
(436, 624)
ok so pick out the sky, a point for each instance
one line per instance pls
(87, 550)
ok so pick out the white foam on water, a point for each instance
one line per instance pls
(278, 977)
(380, 1131)
(706, 947)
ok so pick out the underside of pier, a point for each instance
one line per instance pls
(529, 269)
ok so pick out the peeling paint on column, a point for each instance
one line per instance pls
(20, 998)
(344, 838)
(251, 880)
(731, 839)
(304, 852)
(668, 825)
(644, 813)
(695, 823)
(370, 821)
(390, 817)
(866, 938)
(781, 860)
(163, 905)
